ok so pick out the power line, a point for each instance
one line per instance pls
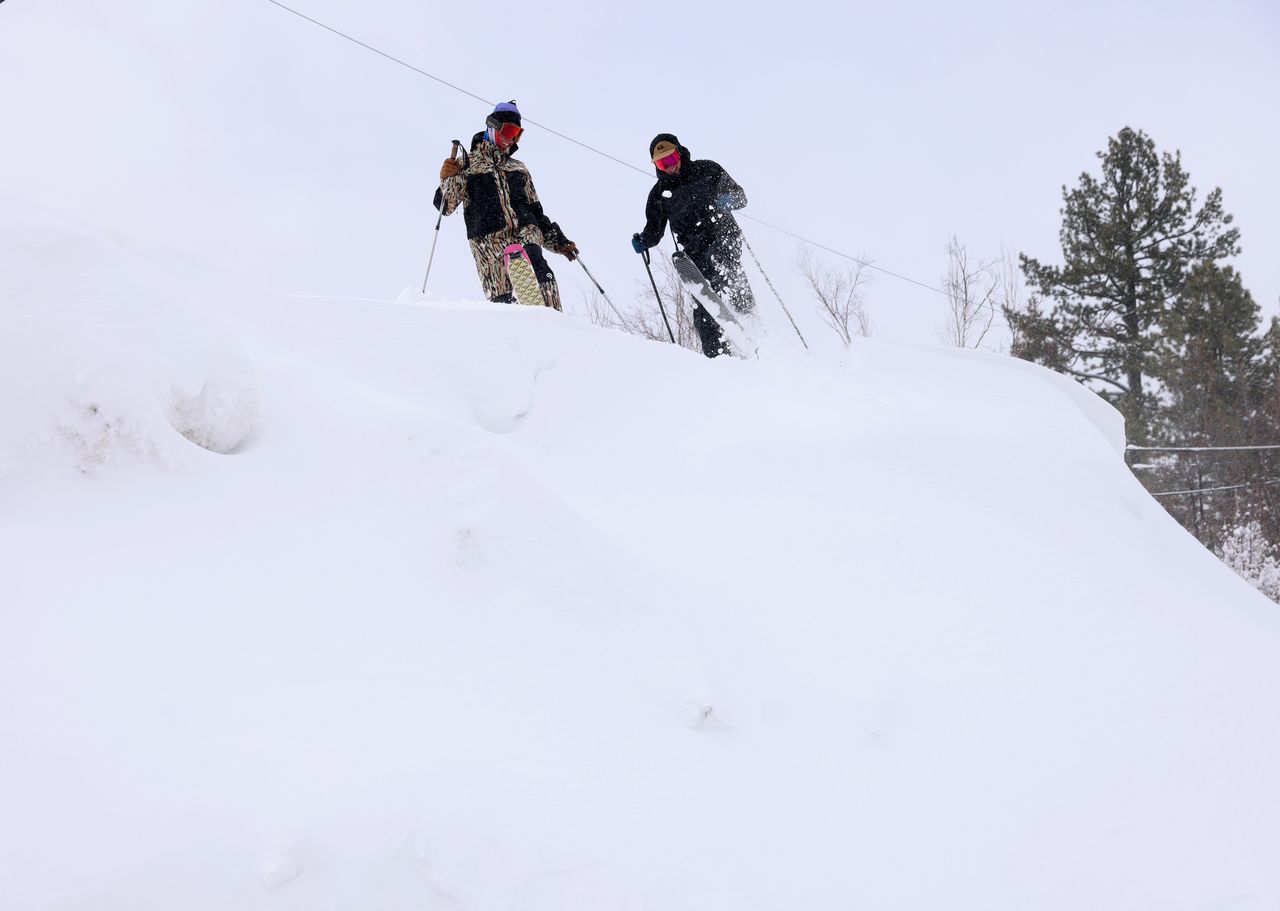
(1199, 448)
(1174, 493)
(456, 88)
(590, 148)
(370, 47)
(861, 262)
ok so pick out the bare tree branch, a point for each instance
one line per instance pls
(840, 295)
(975, 291)
(643, 317)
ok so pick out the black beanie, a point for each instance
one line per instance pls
(663, 137)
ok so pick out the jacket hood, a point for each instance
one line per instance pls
(674, 140)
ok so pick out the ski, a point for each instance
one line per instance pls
(524, 281)
(696, 284)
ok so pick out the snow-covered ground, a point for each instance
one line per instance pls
(342, 604)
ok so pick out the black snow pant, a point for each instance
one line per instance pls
(722, 266)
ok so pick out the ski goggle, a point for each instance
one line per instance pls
(668, 162)
(507, 132)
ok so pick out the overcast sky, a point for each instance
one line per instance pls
(243, 132)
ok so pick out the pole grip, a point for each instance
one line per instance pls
(466, 159)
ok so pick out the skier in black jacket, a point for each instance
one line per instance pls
(697, 198)
(501, 207)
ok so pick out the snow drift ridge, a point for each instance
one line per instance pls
(495, 609)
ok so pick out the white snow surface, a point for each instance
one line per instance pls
(349, 604)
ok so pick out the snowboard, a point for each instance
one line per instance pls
(731, 324)
(524, 281)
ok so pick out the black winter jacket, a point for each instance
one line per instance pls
(496, 193)
(685, 200)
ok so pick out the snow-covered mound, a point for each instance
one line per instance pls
(328, 604)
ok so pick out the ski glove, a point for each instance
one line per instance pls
(451, 168)
(570, 250)
(723, 203)
(637, 244)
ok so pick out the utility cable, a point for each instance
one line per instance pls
(456, 88)
(589, 148)
(370, 47)
(862, 262)
(1199, 448)
(1174, 493)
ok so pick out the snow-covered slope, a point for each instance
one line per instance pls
(334, 604)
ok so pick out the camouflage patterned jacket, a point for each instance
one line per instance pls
(497, 196)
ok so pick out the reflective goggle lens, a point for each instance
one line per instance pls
(669, 162)
(509, 132)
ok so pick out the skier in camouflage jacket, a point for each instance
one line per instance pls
(500, 207)
(697, 199)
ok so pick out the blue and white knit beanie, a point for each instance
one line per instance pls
(507, 112)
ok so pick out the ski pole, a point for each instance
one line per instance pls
(785, 309)
(661, 308)
(452, 155)
(578, 258)
(768, 281)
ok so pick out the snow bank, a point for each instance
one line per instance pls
(492, 609)
(103, 358)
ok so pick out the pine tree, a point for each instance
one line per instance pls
(1211, 359)
(1265, 503)
(1213, 366)
(1269, 413)
(1129, 240)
